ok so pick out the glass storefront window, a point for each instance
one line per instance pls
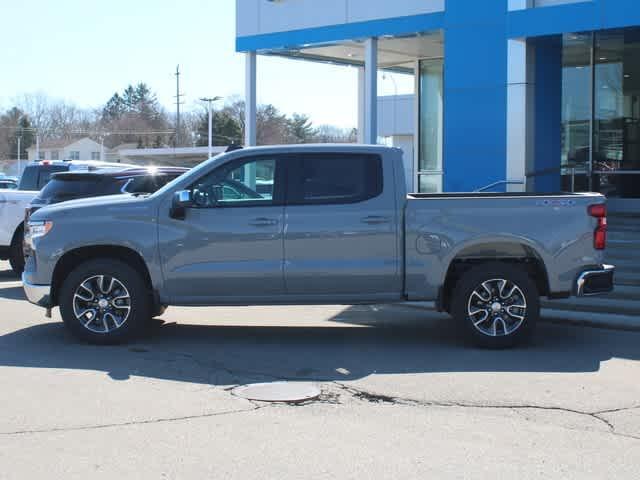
(616, 136)
(430, 126)
(430, 183)
(601, 112)
(576, 101)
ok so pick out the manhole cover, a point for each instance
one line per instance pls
(278, 392)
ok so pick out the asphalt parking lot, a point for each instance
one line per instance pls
(402, 397)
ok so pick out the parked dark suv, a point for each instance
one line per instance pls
(37, 174)
(82, 184)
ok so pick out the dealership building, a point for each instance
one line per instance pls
(542, 95)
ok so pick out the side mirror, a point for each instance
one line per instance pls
(182, 199)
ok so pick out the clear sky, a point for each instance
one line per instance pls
(85, 50)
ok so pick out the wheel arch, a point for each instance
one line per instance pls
(509, 252)
(77, 256)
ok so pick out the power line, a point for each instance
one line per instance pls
(93, 132)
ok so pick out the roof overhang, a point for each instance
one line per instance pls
(395, 53)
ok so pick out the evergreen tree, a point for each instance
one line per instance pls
(300, 128)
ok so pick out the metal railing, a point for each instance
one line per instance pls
(570, 169)
(499, 184)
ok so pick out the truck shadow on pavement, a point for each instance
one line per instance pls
(356, 343)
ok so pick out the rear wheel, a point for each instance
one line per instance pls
(497, 305)
(105, 301)
(16, 253)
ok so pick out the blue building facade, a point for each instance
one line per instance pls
(542, 95)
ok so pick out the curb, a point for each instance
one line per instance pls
(610, 321)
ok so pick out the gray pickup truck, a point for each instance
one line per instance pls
(313, 224)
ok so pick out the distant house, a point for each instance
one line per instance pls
(83, 149)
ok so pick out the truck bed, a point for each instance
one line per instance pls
(554, 230)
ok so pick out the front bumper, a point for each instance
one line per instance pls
(595, 281)
(37, 294)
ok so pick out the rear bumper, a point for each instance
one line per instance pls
(595, 281)
(37, 294)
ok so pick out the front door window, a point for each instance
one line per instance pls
(250, 183)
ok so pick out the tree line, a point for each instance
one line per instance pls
(135, 116)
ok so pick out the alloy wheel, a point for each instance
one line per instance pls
(497, 307)
(101, 303)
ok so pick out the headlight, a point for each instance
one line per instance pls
(36, 230)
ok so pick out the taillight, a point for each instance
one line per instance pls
(600, 235)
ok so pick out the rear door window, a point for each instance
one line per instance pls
(316, 179)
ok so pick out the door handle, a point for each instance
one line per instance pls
(375, 220)
(263, 222)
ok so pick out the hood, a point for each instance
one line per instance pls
(100, 203)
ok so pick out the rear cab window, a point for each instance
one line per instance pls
(318, 179)
(34, 177)
(46, 172)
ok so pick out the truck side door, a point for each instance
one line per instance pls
(342, 229)
(229, 246)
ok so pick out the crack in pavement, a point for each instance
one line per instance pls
(327, 397)
(617, 410)
(373, 397)
(133, 422)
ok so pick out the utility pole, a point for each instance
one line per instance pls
(19, 148)
(37, 146)
(210, 101)
(178, 103)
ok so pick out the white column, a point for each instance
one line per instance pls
(371, 90)
(520, 112)
(251, 106)
(362, 114)
(416, 127)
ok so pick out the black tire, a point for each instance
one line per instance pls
(500, 329)
(139, 302)
(16, 253)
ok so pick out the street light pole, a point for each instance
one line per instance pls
(210, 101)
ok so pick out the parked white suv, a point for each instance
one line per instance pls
(14, 202)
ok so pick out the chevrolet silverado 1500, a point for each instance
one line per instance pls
(313, 224)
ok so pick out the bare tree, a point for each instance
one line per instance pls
(55, 118)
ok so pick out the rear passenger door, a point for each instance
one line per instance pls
(342, 229)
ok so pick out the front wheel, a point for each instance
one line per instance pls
(105, 301)
(497, 305)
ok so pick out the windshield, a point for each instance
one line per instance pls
(195, 172)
